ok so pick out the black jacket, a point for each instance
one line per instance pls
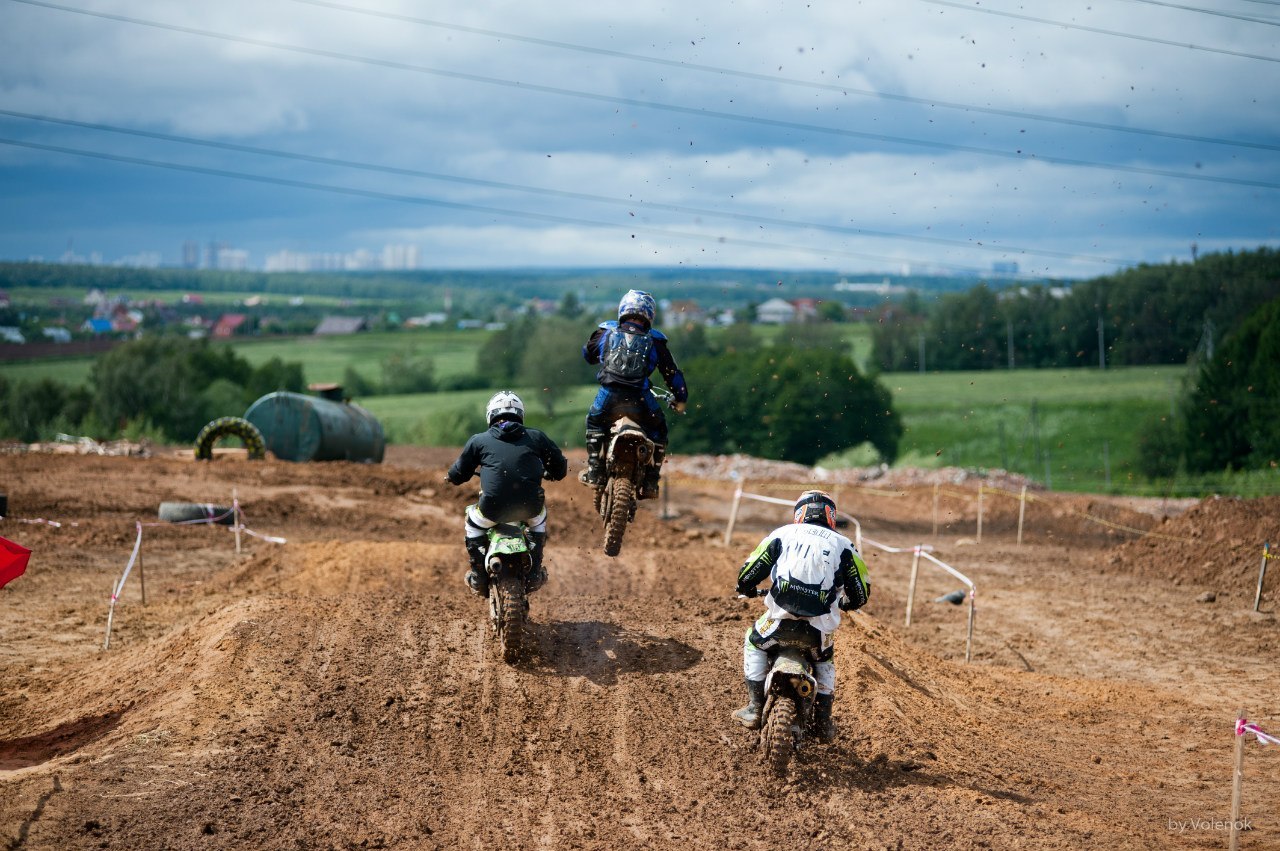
(512, 461)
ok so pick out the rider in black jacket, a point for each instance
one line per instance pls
(512, 460)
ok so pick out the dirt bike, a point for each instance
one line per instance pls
(628, 455)
(508, 561)
(790, 688)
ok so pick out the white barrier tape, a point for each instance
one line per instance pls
(924, 548)
(272, 538)
(1243, 728)
(40, 520)
(137, 546)
(949, 569)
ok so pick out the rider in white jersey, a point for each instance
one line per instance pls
(816, 573)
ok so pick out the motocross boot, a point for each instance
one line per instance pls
(653, 474)
(749, 715)
(824, 726)
(595, 446)
(477, 576)
(537, 573)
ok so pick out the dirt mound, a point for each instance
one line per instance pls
(1217, 543)
(343, 691)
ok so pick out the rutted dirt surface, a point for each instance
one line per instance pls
(342, 691)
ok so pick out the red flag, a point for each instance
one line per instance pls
(13, 561)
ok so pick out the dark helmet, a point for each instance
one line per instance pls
(816, 507)
(637, 303)
(504, 404)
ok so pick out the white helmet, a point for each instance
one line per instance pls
(504, 402)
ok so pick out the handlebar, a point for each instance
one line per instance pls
(668, 399)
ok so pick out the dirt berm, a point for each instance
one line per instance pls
(342, 691)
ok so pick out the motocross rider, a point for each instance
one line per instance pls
(816, 573)
(512, 461)
(628, 351)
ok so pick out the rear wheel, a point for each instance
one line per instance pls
(777, 737)
(508, 606)
(622, 507)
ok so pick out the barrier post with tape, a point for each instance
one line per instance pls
(1237, 781)
(936, 488)
(1022, 511)
(1243, 730)
(979, 512)
(1262, 574)
(235, 518)
(911, 586)
(733, 514)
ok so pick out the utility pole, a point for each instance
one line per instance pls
(1102, 344)
(921, 342)
(1008, 325)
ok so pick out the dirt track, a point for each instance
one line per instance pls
(340, 691)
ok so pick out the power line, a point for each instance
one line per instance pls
(984, 10)
(1268, 22)
(665, 107)
(476, 208)
(558, 193)
(791, 81)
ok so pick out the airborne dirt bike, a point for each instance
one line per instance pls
(790, 688)
(628, 456)
(508, 561)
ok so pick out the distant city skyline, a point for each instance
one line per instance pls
(854, 138)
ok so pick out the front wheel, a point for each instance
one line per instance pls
(777, 737)
(507, 605)
(622, 507)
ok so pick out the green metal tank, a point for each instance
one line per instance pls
(317, 428)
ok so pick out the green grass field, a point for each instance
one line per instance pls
(1073, 429)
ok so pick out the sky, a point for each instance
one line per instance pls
(1074, 139)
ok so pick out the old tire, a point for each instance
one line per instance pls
(509, 609)
(622, 507)
(777, 737)
(194, 512)
(230, 427)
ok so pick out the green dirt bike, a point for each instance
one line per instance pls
(628, 455)
(790, 688)
(508, 562)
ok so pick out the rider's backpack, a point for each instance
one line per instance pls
(626, 356)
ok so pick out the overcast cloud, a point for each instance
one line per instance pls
(766, 134)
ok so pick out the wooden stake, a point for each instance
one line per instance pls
(968, 643)
(142, 578)
(1262, 574)
(979, 513)
(936, 486)
(1022, 512)
(235, 519)
(911, 588)
(733, 515)
(1237, 780)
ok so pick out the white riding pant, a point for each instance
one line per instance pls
(755, 661)
(477, 524)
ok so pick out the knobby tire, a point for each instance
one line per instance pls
(622, 506)
(777, 738)
(509, 607)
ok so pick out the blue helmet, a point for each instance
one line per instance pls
(637, 303)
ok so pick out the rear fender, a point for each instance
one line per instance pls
(790, 672)
(508, 547)
(629, 446)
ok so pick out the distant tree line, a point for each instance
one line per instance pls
(1152, 314)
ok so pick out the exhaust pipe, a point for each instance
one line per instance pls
(803, 687)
